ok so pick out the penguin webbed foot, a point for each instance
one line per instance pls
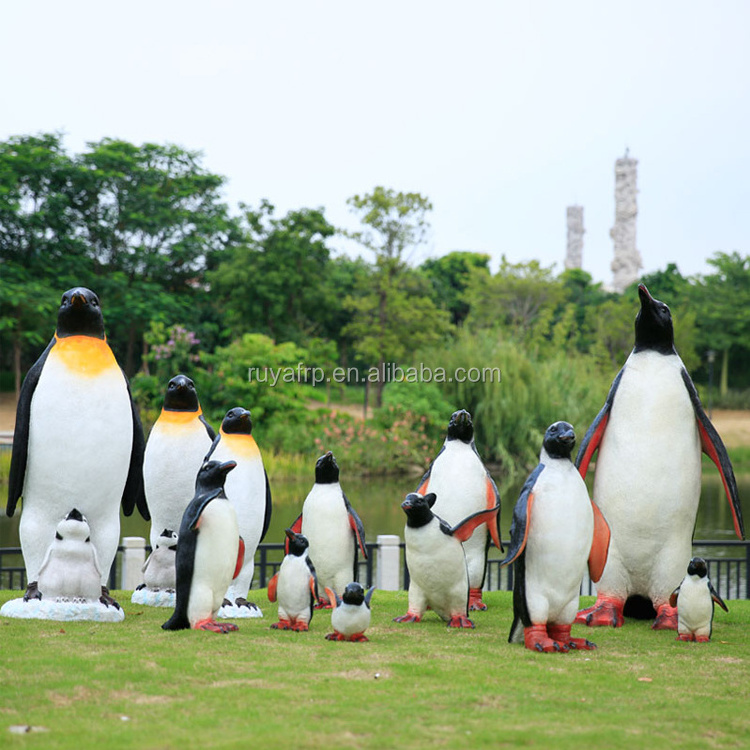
(408, 617)
(606, 611)
(226, 603)
(282, 625)
(475, 601)
(300, 627)
(140, 587)
(107, 600)
(32, 592)
(666, 618)
(536, 638)
(581, 644)
(215, 627)
(240, 601)
(460, 621)
(335, 636)
(323, 604)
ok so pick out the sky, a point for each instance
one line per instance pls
(501, 113)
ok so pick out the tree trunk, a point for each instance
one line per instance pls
(380, 384)
(724, 382)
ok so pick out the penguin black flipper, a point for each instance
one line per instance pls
(368, 596)
(673, 596)
(194, 510)
(21, 432)
(717, 599)
(464, 529)
(209, 429)
(714, 448)
(216, 440)
(296, 527)
(313, 584)
(134, 495)
(521, 617)
(358, 529)
(595, 432)
(519, 527)
(493, 499)
(269, 508)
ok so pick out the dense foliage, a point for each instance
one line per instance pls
(186, 286)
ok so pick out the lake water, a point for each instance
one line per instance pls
(377, 501)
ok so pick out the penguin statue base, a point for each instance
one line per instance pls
(240, 609)
(154, 597)
(58, 609)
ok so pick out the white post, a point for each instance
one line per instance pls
(388, 563)
(133, 557)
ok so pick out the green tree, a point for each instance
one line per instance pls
(392, 312)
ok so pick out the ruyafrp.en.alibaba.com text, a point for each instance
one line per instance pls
(385, 373)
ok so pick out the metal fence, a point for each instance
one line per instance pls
(728, 572)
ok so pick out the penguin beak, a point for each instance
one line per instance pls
(228, 466)
(644, 294)
(289, 533)
(406, 505)
(77, 300)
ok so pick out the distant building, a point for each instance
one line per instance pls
(574, 253)
(627, 262)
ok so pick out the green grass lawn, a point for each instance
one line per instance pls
(134, 685)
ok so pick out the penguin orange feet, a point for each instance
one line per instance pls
(408, 617)
(475, 601)
(607, 610)
(359, 638)
(687, 637)
(666, 618)
(335, 636)
(702, 639)
(300, 627)
(282, 625)
(535, 638)
(323, 603)
(561, 634)
(460, 621)
(215, 627)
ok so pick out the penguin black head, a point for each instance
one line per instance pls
(418, 509)
(237, 421)
(297, 543)
(74, 515)
(80, 314)
(461, 427)
(653, 325)
(181, 394)
(73, 526)
(326, 469)
(213, 474)
(697, 567)
(354, 593)
(559, 440)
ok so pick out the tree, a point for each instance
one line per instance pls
(392, 313)
(274, 281)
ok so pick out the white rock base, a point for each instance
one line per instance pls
(232, 612)
(154, 597)
(50, 609)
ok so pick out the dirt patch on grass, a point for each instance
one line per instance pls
(733, 426)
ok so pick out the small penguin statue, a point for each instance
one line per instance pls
(209, 553)
(295, 586)
(694, 599)
(159, 573)
(351, 614)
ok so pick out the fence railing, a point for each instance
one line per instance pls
(386, 567)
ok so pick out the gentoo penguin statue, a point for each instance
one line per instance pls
(295, 586)
(209, 553)
(70, 571)
(649, 434)
(78, 441)
(694, 599)
(333, 529)
(351, 614)
(159, 572)
(552, 539)
(175, 449)
(464, 486)
(437, 562)
(249, 492)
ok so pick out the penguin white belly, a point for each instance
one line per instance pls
(174, 454)
(459, 480)
(293, 589)
(561, 531)
(647, 480)
(350, 619)
(694, 607)
(325, 523)
(437, 565)
(216, 550)
(80, 442)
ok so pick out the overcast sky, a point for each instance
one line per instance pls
(501, 113)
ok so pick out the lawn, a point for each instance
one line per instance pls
(133, 685)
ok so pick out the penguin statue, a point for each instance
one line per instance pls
(694, 599)
(249, 492)
(77, 442)
(209, 553)
(295, 586)
(647, 482)
(70, 571)
(333, 529)
(351, 613)
(178, 441)
(159, 572)
(439, 578)
(552, 538)
(464, 486)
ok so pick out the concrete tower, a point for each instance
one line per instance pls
(627, 261)
(574, 253)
